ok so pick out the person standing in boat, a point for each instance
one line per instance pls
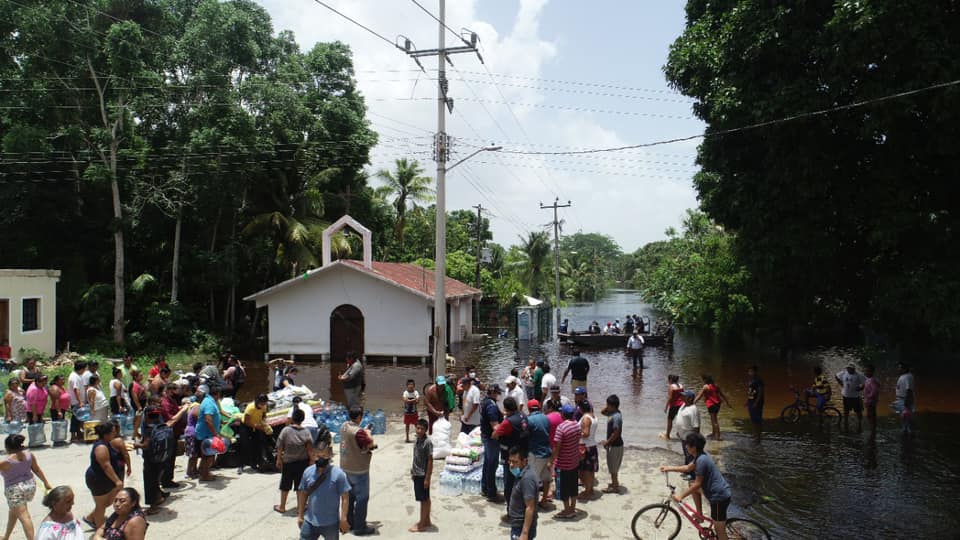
(564, 326)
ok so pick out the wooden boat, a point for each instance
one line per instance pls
(608, 341)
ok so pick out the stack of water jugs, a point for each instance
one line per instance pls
(334, 415)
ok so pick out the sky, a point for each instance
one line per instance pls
(557, 75)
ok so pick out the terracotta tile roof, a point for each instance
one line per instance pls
(414, 277)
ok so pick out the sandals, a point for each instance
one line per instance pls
(611, 489)
(276, 508)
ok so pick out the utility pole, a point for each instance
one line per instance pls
(476, 307)
(441, 153)
(556, 250)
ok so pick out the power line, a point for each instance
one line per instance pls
(747, 127)
(391, 43)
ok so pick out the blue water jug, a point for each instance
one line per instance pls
(58, 432)
(83, 413)
(14, 427)
(380, 422)
(119, 419)
(367, 419)
(36, 435)
(127, 426)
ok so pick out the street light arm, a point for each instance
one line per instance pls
(477, 151)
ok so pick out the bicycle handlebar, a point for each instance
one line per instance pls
(666, 478)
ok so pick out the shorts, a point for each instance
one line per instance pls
(756, 414)
(20, 493)
(672, 412)
(291, 473)
(541, 466)
(854, 404)
(614, 459)
(714, 409)
(574, 383)
(567, 484)
(590, 460)
(718, 510)
(517, 532)
(190, 446)
(98, 484)
(410, 418)
(871, 409)
(197, 448)
(420, 493)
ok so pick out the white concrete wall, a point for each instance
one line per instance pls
(15, 285)
(395, 322)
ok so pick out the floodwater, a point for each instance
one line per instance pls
(799, 480)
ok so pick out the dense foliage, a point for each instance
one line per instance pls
(848, 217)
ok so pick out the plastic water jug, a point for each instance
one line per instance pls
(35, 435)
(379, 422)
(127, 426)
(450, 484)
(58, 432)
(367, 419)
(118, 419)
(83, 413)
(14, 427)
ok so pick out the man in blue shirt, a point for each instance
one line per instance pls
(708, 481)
(490, 418)
(322, 487)
(540, 452)
(208, 425)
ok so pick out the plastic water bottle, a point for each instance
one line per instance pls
(15, 427)
(380, 422)
(450, 484)
(36, 435)
(83, 413)
(58, 432)
(119, 419)
(127, 426)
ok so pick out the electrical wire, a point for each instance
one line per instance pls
(324, 4)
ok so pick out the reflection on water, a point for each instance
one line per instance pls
(802, 481)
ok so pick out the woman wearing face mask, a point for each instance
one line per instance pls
(323, 492)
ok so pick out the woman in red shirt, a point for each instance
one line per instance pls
(5, 352)
(712, 396)
(674, 401)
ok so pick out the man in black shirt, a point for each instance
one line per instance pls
(578, 368)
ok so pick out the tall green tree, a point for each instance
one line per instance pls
(409, 188)
(536, 251)
(847, 216)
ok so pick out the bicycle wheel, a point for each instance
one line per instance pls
(790, 414)
(831, 416)
(656, 521)
(746, 529)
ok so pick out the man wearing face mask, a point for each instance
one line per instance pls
(323, 499)
(522, 509)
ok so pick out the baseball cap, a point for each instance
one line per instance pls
(555, 388)
(511, 379)
(579, 390)
(441, 379)
(566, 409)
(533, 404)
(851, 365)
(688, 394)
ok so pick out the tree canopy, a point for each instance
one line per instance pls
(848, 216)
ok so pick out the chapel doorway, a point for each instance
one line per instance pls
(346, 332)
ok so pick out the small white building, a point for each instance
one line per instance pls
(371, 308)
(28, 309)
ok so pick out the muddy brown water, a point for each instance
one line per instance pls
(799, 480)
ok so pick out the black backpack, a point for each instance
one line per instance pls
(520, 436)
(162, 444)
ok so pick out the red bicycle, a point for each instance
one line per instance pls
(662, 520)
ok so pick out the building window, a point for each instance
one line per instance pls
(30, 314)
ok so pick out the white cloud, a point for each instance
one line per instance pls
(607, 200)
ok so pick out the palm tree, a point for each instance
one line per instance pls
(536, 247)
(409, 186)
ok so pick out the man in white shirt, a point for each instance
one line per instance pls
(78, 398)
(852, 384)
(471, 405)
(547, 381)
(516, 392)
(906, 403)
(687, 422)
(635, 348)
(309, 420)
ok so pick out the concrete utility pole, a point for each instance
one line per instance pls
(441, 153)
(556, 251)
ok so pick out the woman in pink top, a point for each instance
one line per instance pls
(37, 400)
(712, 395)
(18, 484)
(59, 399)
(871, 395)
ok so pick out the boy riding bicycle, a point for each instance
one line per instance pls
(708, 480)
(821, 388)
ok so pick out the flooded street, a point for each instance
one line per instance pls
(800, 480)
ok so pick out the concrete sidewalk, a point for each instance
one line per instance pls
(241, 506)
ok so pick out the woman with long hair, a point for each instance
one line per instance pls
(59, 399)
(127, 521)
(18, 483)
(60, 523)
(14, 402)
(104, 476)
(712, 395)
